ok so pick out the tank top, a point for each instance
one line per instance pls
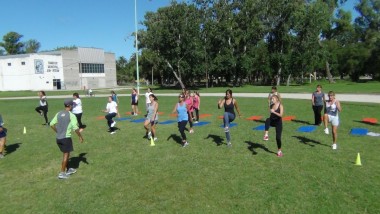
(133, 97)
(331, 109)
(151, 112)
(182, 112)
(229, 107)
(274, 116)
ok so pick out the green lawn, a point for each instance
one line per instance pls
(341, 86)
(121, 173)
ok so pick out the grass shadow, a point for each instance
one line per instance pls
(216, 139)
(176, 138)
(367, 123)
(307, 141)
(254, 146)
(260, 121)
(75, 161)
(303, 122)
(12, 148)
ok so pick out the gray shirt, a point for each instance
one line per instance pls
(318, 98)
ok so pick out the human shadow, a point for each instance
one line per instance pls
(216, 139)
(367, 123)
(12, 148)
(302, 121)
(75, 161)
(260, 121)
(254, 146)
(308, 141)
(176, 138)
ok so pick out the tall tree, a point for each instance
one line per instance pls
(32, 46)
(12, 44)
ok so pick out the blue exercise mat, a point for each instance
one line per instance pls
(122, 118)
(259, 128)
(138, 120)
(202, 123)
(359, 131)
(306, 128)
(167, 122)
(231, 125)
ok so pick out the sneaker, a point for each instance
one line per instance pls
(334, 146)
(266, 137)
(63, 175)
(154, 139)
(42, 114)
(113, 132)
(191, 131)
(226, 129)
(71, 171)
(229, 144)
(279, 154)
(1, 156)
(113, 124)
(149, 135)
(185, 144)
(196, 122)
(326, 130)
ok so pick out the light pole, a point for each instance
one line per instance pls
(137, 51)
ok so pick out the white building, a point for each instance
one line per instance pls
(80, 68)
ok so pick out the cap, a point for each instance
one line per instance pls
(68, 102)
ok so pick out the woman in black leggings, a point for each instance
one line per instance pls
(42, 109)
(275, 120)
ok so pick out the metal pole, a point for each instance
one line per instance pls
(137, 51)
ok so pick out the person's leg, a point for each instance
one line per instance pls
(227, 119)
(197, 114)
(335, 133)
(79, 119)
(45, 111)
(267, 125)
(2, 144)
(319, 115)
(137, 108)
(146, 126)
(190, 122)
(181, 128)
(133, 110)
(278, 137)
(109, 120)
(326, 122)
(153, 128)
(65, 161)
(38, 109)
(315, 110)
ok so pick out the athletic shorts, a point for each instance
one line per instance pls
(334, 120)
(65, 145)
(135, 103)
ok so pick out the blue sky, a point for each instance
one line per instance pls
(84, 23)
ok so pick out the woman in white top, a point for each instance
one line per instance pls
(42, 109)
(78, 110)
(332, 109)
(112, 111)
(147, 100)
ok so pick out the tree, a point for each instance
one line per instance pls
(11, 43)
(31, 46)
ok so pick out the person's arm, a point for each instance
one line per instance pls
(117, 109)
(155, 111)
(272, 110)
(199, 103)
(53, 122)
(221, 103)
(75, 127)
(175, 108)
(312, 99)
(237, 107)
(338, 106)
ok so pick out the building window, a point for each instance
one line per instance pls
(9, 64)
(22, 63)
(89, 68)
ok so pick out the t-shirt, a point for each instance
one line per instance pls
(318, 98)
(77, 106)
(64, 122)
(182, 112)
(147, 100)
(43, 101)
(111, 107)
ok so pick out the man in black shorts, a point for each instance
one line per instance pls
(63, 123)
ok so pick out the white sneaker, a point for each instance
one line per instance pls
(112, 132)
(154, 139)
(229, 144)
(191, 131)
(334, 146)
(71, 171)
(326, 130)
(149, 135)
(185, 144)
(113, 124)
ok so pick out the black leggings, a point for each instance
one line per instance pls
(109, 117)
(317, 114)
(196, 114)
(278, 125)
(190, 119)
(181, 129)
(79, 119)
(44, 110)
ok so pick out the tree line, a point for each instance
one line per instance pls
(255, 41)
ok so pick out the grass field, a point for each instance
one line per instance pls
(341, 86)
(121, 173)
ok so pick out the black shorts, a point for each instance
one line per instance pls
(65, 145)
(135, 103)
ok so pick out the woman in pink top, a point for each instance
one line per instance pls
(189, 104)
(196, 105)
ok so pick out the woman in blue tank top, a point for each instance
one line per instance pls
(182, 117)
(229, 104)
(134, 102)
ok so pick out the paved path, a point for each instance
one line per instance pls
(363, 98)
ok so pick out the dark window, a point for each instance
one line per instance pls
(9, 64)
(22, 63)
(90, 68)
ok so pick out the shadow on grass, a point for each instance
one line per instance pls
(303, 122)
(367, 123)
(308, 141)
(216, 139)
(260, 121)
(176, 138)
(75, 161)
(254, 146)
(12, 148)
